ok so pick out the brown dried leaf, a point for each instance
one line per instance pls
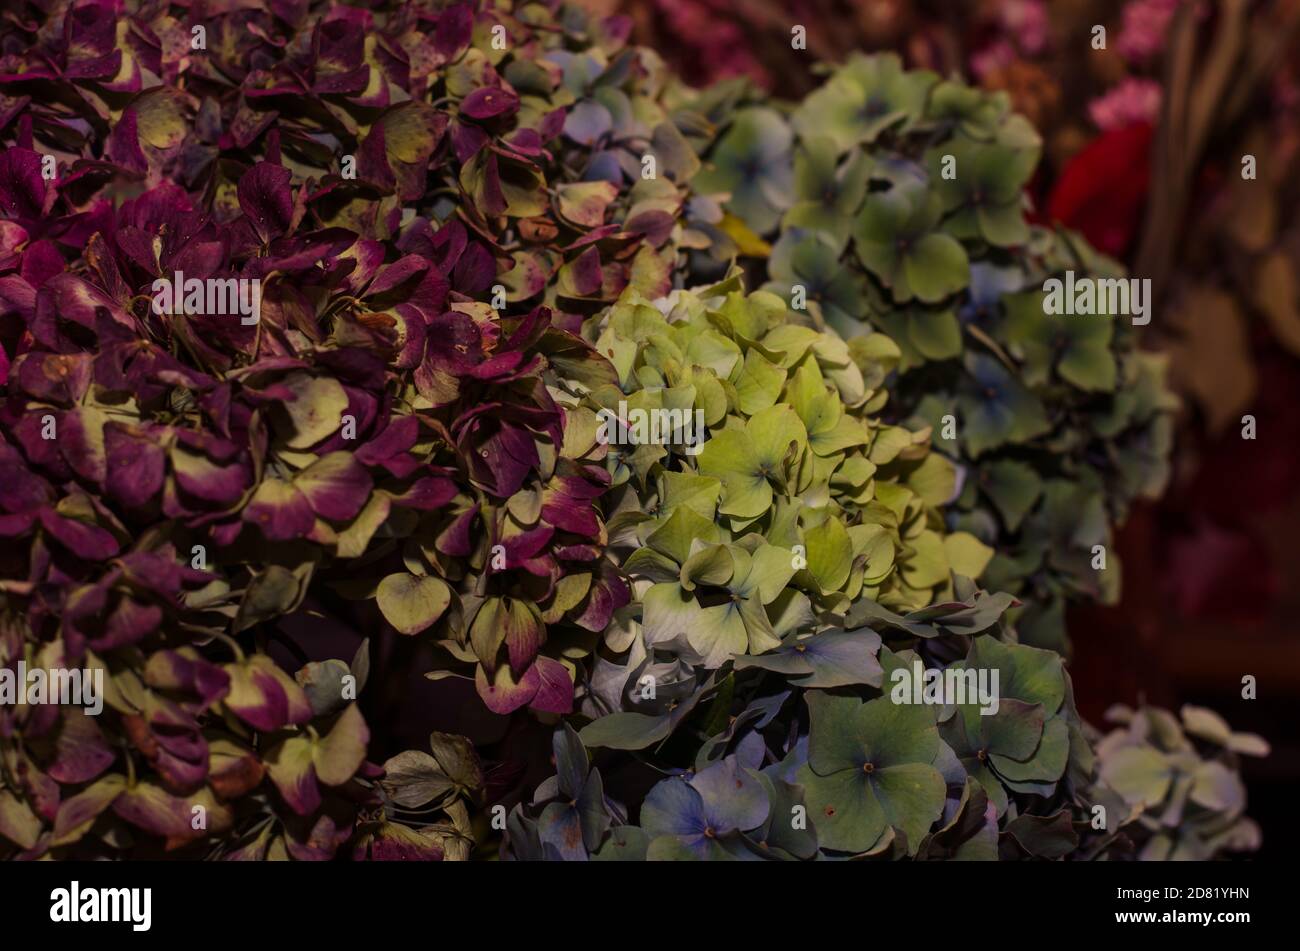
(1277, 295)
(1212, 361)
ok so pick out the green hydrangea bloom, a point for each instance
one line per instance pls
(907, 215)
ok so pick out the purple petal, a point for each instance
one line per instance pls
(81, 538)
(453, 31)
(732, 798)
(22, 187)
(21, 490)
(198, 476)
(262, 698)
(398, 437)
(587, 276)
(336, 486)
(427, 494)
(456, 540)
(555, 687)
(488, 102)
(289, 765)
(608, 594)
(266, 197)
(80, 752)
(185, 671)
(505, 695)
(281, 511)
(135, 464)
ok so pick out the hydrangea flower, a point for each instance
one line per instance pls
(941, 256)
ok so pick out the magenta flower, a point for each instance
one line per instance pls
(1027, 22)
(991, 58)
(1131, 102)
(1142, 35)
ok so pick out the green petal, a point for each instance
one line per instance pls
(1089, 367)
(936, 266)
(898, 733)
(412, 603)
(731, 457)
(844, 809)
(967, 555)
(674, 537)
(1003, 225)
(1024, 673)
(911, 797)
(835, 739)
(770, 570)
(717, 633)
(936, 335)
(668, 612)
(1014, 488)
(339, 753)
(713, 565)
(773, 432)
(876, 232)
(1048, 762)
(830, 554)
(924, 562)
(758, 384)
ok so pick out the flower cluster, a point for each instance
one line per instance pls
(318, 330)
(896, 202)
(285, 293)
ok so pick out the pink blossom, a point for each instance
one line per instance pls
(720, 42)
(1143, 32)
(992, 58)
(1128, 103)
(1026, 22)
(1286, 92)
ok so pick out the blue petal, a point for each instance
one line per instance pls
(672, 807)
(733, 799)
